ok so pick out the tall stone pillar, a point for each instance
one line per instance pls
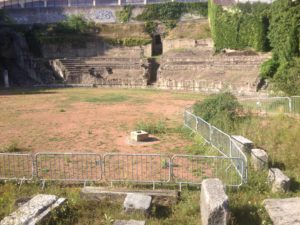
(6, 79)
(119, 2)
(145, 2)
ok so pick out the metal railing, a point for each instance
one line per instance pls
(68, 166)
(219, 140)
(120, 167)
(18, 4)
(16, 166)
(272, 105)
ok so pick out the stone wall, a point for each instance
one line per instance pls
(101, 14)
(180, 44)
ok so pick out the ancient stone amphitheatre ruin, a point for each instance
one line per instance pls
(99, 119)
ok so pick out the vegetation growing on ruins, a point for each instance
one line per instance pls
(284, 37)
(231, 28)
(124, 15)
(169, 13)
(222, 110)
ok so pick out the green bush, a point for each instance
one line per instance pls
(222, 110)
(231, 28)
(4, 18)
(129, 42)
(287, 78)
(72, 24)
(169, 13)
(124, 15)
(268, 68)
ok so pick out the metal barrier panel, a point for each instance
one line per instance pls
(68, 166)
(137, 167)
(14, 166)
(204, 129)
(296, 104)
(191, 169)
(241, 166)
(221, 141)
(268, 105)
(190, 120)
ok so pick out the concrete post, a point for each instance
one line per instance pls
(119, 2)
(69, 3)
(145, 2)
(6, 79)
(22, 3)
(45, 3)
(94, 2)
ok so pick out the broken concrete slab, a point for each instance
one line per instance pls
(259, 159)
(34, 210)
(283, 211)
(279, 181)
(159, 197)
(129, 222)
(245, 144)
(136, 202)
(213, 203)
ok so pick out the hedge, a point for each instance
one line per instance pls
(239, 27)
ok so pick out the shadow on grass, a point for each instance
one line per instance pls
(161, 211)
(33, 91)
(245, 215)
(295, 185)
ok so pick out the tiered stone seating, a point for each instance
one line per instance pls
(99, 70)
(201, 70)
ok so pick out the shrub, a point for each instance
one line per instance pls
(287, 78)
(73, 24)
(268, 68)
(221, 110)
(231, 28)
(124, 15)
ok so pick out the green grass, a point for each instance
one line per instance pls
(79, 211)
(111, 98)
(152, 127)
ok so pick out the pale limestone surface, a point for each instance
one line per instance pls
(259, 159)
(33, 211)
(284, 211)
(129, 222)
(137, 202)
(279, 181)
(213, 203)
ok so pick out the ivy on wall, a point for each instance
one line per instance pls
(240, 26)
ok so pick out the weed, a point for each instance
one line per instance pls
(152, 127)
(12, 147)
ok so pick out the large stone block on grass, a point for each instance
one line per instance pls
(283, 211)
(245, 144)
(129, 222)
(137, 202)
(33, 211)
(213, 203)
(259, 159)
(113, 194)
(279, 181)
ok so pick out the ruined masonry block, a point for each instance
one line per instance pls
(213, 203)
(137, 202)
(283, 211)
(33, 211)
(280, 182)
(139, 135)
(259, 159)
(245, 144)
(129, 222)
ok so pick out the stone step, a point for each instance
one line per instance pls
(161, 197)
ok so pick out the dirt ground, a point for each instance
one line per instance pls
(89, 120)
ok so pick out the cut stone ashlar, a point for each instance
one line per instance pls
(137, 203)
(259, 159)
(279, 181)
(214, 203)
(245, 144)
(283, 211)
(139, 136)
